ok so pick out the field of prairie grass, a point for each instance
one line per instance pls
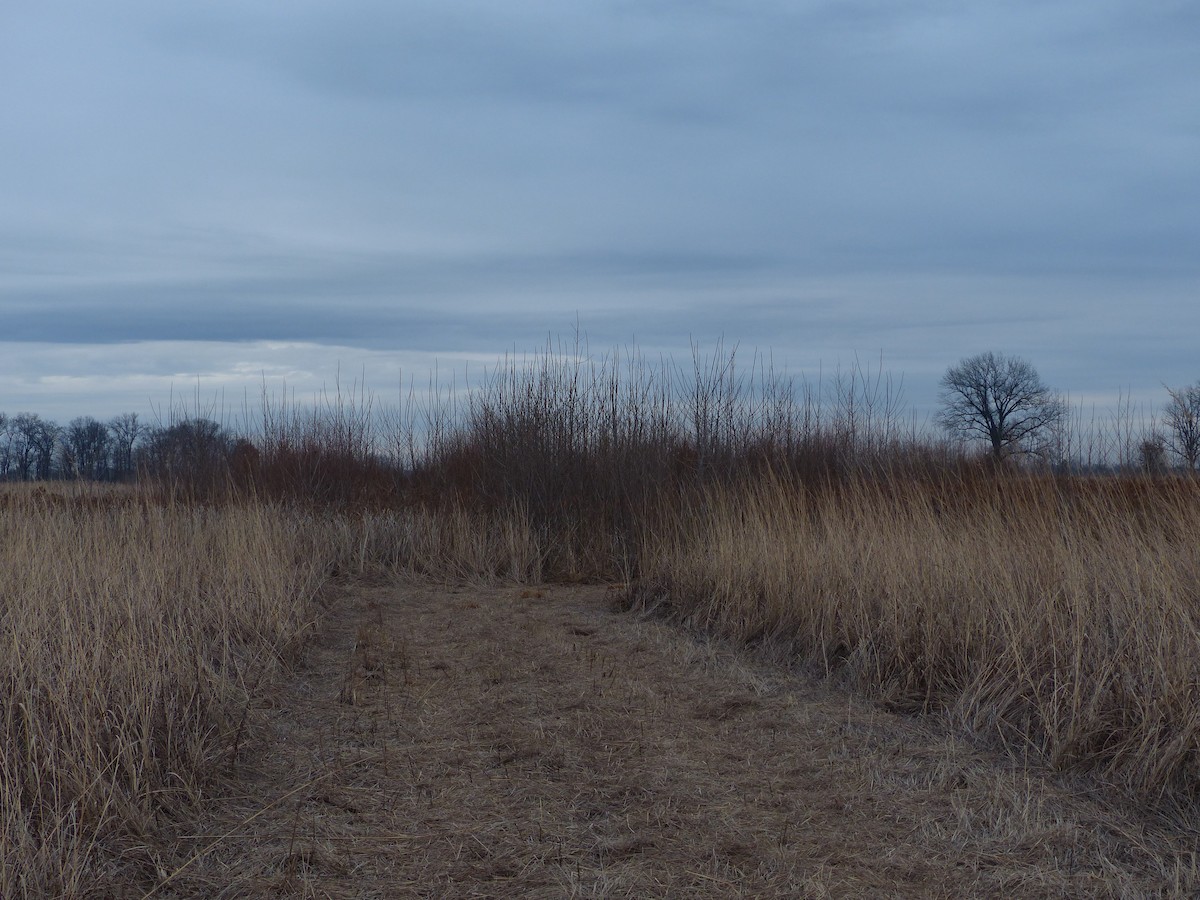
(135, 634)
(1058, 616)
(139, 635)
(143, 626)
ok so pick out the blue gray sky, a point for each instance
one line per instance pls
(198, 195)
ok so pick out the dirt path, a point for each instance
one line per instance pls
(500, 742)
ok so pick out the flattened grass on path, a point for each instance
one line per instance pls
(501, 741)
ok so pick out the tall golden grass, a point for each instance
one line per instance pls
(1060, 616)
(138, 634)
(134, 635)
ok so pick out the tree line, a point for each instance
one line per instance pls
(33, 448)
(996, 402)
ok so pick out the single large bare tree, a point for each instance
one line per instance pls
(1182, 421)
(1000, 399)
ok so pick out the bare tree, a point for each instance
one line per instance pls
(1000, 399)
(1182, 421)
(5, 446)
(18, 450)
(192, 452)
(84, 449)
(31, 444)
(126, 431)
(43, 436)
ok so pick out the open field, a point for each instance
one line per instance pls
(150, 631)
(151, 653)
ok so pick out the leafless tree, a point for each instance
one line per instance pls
(30, 446)
(43, 435)
(85, 449)
(191, 452)
(126, 431)
(5, 447)
(18, 450)
(1000, 399)
(1182, 421)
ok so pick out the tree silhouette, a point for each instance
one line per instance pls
(1182, 420)
(1000, 399)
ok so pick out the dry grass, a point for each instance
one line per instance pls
(478, 741)
(134, 637)
(141, 634)
(143, 640)
(452, 542)
(137, 638)
(1061, 617)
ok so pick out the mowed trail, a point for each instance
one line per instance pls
(506, 742)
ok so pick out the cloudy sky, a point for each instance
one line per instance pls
(197, 195)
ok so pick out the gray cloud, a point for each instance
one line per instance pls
(822, 177)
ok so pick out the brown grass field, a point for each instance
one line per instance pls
(500, 741)
(832, 661)
(147, 643)
(1059, 616)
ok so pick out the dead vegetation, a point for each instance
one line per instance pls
(146, 629)
(140, 637)
(494, 742)
(1056, 616)
(134, 637)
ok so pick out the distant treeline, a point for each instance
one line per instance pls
(565, 412)
(36, 449)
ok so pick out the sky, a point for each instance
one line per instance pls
(200, 198)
